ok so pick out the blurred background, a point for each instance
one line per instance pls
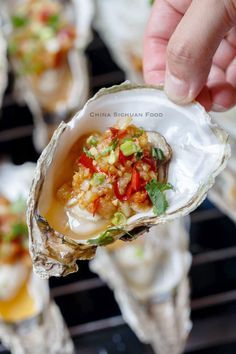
(98, 44)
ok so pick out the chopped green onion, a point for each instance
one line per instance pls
(157, 153)
(98, 178)
(129, 147)
(112, 158)
(93, 151)
(87, 152)
(119, 219)
(92, 140)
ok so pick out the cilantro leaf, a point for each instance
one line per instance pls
(156, 191)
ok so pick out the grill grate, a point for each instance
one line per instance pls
(87, 304)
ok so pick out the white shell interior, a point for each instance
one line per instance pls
(197, 151)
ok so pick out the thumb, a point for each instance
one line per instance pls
(193, 44)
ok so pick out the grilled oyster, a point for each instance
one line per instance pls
(46, 40)
(200, 152)
(149, 279)
(19, 295)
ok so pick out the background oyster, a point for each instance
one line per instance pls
(149, 278)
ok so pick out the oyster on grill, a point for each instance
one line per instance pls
(199, 152)
(20, 288)
(46, 40)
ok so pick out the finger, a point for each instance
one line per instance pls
(223, 96)
(231, 73)
(162, 23)
(204, 98)
(216, 75)
(192, 47)
(224, 54)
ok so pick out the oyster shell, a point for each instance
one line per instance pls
(149, 279)
(56, 93)
(3, 66)
(125, 39)
(200, 153)
(223, 194)
(26, 328)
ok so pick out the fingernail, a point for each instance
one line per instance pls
(218, 108)
(177, 89)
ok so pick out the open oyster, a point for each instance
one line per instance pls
(199, 149)
(43, 40)
(29, 321)
(149, 279)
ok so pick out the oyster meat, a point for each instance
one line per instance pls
(199, 152)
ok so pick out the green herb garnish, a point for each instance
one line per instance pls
(158, 154)
(86, 151)
(98, 178)
(19, 21)
(119, 219)
(92, 140)
(139, 155)
(105, 237)
(54, 21)
(156, 193)
(151, 2)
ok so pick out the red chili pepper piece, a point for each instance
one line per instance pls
(126, 195)
(87, 162)
(151, 162)
(122, 133)
(114, 132)
(96, 205)
(122, 158)
(135, 181)
(133, 186)
(44, 15)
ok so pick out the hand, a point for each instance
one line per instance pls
(190, 46)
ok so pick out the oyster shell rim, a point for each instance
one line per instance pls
(66, 263)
